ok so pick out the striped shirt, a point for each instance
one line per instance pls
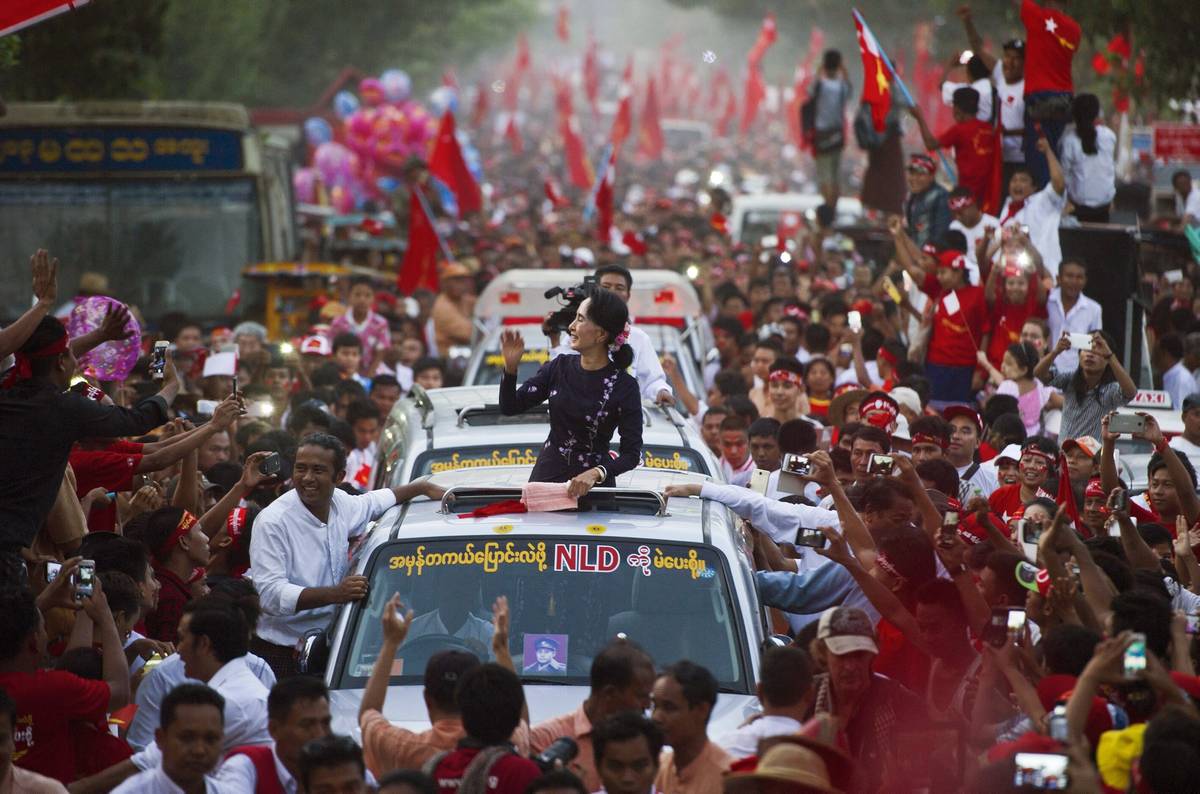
(1083, 417)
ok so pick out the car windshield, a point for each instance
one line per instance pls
(1134, 446)
(567, 597)
(436, 461)
(492, 368)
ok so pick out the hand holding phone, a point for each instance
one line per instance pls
(85, 579)
(158, 359)
(1135, 656)
(812, 538)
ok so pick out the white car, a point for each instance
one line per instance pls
(486, 364)
(440, 430)
(1134, 453)
(676, 578)
(659, 297)
(756, 215)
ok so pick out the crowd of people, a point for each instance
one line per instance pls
(921, 445)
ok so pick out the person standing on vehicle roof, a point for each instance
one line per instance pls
(591, 396)
(646, 366)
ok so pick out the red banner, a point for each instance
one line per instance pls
(1179, 142)
(18, 14)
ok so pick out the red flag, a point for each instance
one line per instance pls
(877, 88)
(756, 90)
(522, 63)
(766, 37)
(513, 135)
(787, 227)
(756, 87)
(728, 115)
(650, 135)
(604, 198)
(623, 120)
(579, 171)
(419, 267)
(562, 25)
(591, 74)
(1066, 496)
(448, 165)
(480, 111)
(557, 199)
(18, 14)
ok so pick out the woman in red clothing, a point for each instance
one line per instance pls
(818, 382)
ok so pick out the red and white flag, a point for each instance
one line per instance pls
(604, 197)
(553, 194)
(513, 135)
(419, 267)
(877, 84)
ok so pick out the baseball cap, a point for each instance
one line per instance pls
(1012, 452)
(846, 630)
(316, 346)
(1014, 44)
(963, 410)
(1094, 490)
(1085, 444)
(952, 259)
(907, 398)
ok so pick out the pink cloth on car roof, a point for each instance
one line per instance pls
(542, 497)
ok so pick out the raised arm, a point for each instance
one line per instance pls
(532, 392)
(1188, 503)
(1042, 370)
(395, 620)
(212, 521)
(931, 141)
(1056, 173)
(1101, 348)
(974, 40)
(45, 290)
(111, 329)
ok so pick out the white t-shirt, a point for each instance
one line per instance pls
(1187, 448)
(1091, 178)
(1189, 205)
(1042, 213)
(983, 85)
(1012, 115)
(973, 234)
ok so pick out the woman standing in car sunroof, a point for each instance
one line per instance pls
(591, 396)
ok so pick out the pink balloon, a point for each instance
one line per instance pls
(111, 360)
(371, 91)
(304, 181)
(342, 199)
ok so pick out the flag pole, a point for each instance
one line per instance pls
(589, 209)
(908, 97)
(429, 219)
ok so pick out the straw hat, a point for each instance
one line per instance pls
(786, 762)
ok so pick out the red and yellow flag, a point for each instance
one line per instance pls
(877, 85)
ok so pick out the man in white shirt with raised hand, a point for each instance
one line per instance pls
(1188, 443)
(1008, 77)
(190, 735)
(1069, 311)
(300, 550)
(652, 381)
(1040, 211)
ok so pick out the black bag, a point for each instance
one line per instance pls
(865, 134)
(808, 111)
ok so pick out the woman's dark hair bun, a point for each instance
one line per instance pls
(623, 358)
(609, 312)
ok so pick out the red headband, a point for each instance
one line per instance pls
(182, 528)
(961, 202)
(886, 355)
(925, 438)
(23, 362)
(786, 376)
(878, 404)
(883, 562)
(235, 523)
(1035, 451)
(1094, 489)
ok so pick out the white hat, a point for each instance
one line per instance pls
(1011, 452)
(908, 398)
(847, 630)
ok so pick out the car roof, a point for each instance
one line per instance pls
(686, 520)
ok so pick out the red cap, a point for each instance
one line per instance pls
(962, 410)
(922, 163)
(1094, 490)
(953, 260)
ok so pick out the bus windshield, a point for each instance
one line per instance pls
(164, 244)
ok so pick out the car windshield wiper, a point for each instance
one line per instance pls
(728, 690)
(525, 679)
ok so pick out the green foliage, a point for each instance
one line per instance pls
(262, 52)
(10, 48)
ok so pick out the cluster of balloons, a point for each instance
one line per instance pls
(380, 129)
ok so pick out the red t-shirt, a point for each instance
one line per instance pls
(1005, 501)
(957, 336)
(1006, 319)
(48, 701)
(510, 774)
(163, 623)
(111, 469)
(976, 153)
(1051, 41)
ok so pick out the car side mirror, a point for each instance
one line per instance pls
(775, 641)
(313, 652)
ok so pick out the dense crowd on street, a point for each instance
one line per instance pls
(989, 607)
